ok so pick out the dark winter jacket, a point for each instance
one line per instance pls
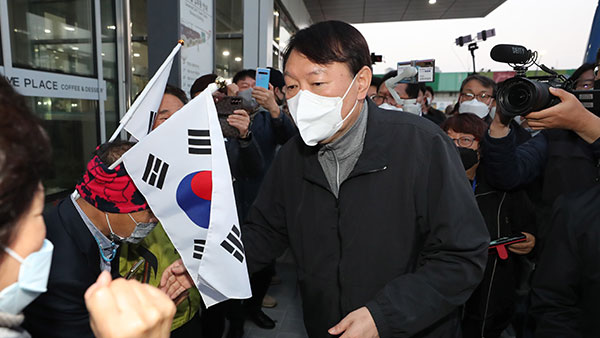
(564, 161)
(405, 237)
(566, 283)
(505, 213)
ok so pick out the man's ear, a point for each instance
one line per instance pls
(363, 79)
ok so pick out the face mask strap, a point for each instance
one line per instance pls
(111, 230)
(133, 219)
(13, 254)
(348, 90)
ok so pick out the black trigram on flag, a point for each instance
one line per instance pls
(199, 245)
(151, 121)
(198, 142)
(155, 172)
(233, 244)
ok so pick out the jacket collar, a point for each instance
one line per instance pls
(373, 158)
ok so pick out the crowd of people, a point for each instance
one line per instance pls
(393, 211)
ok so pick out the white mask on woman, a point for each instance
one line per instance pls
(33, 279)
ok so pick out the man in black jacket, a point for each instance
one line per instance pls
(87, 229)
(374, 204)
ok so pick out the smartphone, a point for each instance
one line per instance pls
(425, 70)
(507, 240)
(499, 245)
(262, 77)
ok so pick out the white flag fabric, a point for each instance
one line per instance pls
(139, 118)
(182, 170)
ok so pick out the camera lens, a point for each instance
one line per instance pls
(521, 96)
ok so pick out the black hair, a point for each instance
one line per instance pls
(331, 41)
(276, 78)
(110, 152)
(242, 74)
(24, 158)
(429, 89)
(412, 89)
(201, 83)
(386, 76)
(484, 80)
(582, 69)
(376, 81)
(177, 92)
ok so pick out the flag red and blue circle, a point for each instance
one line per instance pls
(194, 195)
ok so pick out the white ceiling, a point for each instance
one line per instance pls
(364, 11)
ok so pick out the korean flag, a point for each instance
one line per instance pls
(182, 170)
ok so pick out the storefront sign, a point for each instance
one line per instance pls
(44, 84)
(196, 27)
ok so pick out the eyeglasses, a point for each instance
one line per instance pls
(483, 97)
(464, 141)
(584, 84)
(379, 99)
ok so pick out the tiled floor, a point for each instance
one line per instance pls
(287, 313)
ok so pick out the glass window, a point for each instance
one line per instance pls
(228, 57)
(73, 129)
(139, 47)
(52, 35)
(230, 16)
(228, 43)
(283, 28)
(109, 64)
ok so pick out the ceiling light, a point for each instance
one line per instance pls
(113, 27)
(70, 29)
(74, 48)
(47, 31)
(136, 55)
(238, 59)
(432, 2)
(225, 53)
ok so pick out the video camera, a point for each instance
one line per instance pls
(522, 95)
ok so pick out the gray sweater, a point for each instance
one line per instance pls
(339, 157)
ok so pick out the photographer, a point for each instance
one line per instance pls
(566, 153)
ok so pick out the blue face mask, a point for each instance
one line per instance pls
(140, 231)
(32, 281)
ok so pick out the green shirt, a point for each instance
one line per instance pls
(158, 252)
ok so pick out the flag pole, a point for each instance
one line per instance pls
(144, 92)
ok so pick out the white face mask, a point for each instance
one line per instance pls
(411, 106)
(318, 117)
(428, 101)
(388, 106)
(493, 112)
(33, 279)
(474, 107)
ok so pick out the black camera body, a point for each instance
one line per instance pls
(522, 95)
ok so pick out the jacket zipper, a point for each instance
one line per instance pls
(487, 302)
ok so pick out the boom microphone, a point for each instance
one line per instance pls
(511, 54)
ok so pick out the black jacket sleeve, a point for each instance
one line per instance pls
(508, 165)
(452, 260)
(283, 128)
(264, 233)
(245, 158)
(555, 288)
